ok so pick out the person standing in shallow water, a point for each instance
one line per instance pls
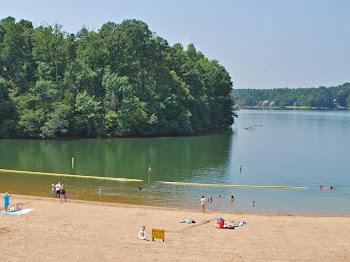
(58, 189)
(53, 189)
(203, 201)
(63, 192)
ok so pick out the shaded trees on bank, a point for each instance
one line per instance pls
(123, 80)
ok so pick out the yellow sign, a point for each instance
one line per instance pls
(157, 233)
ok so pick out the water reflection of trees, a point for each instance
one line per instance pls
(170, 157)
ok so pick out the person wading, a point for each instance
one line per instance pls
(203, 201)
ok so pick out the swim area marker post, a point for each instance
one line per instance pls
(240, 167)
(149, 174)
(72, 162)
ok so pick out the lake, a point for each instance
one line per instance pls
(286, 148)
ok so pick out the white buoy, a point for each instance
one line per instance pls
(142, 233)
(73, 162)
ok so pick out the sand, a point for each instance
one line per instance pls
(94, 231)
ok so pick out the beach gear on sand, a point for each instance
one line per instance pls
(240, 224)
(142, 234)
(220, 223)
(188, 220)
(19, 206)
(229, 227)
(17, 212)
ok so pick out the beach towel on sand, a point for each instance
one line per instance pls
(17, 212)
(240, 224)
(188, 220)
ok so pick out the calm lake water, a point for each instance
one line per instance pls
(275, 148)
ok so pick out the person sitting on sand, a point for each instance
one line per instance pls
(220, 222)
(203, 201)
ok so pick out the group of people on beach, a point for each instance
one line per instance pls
(58, 190)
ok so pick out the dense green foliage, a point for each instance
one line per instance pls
(120, 81)
(322, 97)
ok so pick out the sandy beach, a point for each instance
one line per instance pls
(94, 231)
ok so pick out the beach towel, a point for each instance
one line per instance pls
(228, 227)
(188, 220)
(240, 224)
(17, 212)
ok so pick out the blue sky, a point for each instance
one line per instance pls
(261, 43)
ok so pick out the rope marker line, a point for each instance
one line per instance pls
(120, 179)
(223, 185)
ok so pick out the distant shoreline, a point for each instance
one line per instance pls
(292, 108)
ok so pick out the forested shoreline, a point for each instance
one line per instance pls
(122, 80)
(335, 97)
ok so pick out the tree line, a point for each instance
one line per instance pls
(122, 80)
(322, 97)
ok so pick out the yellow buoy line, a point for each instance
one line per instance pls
(120, 179)
(223, 185)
